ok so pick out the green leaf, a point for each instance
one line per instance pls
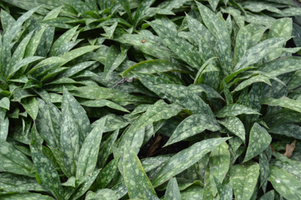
(193, 125)
(269, 195)
(13, 161)
(285, 183)
(141, 10)
(133, 173)
(25, 196)
(219, 163)
(4, 126)
(191, 101)
(243, 179)
(233, 110)
(259, 140)
(69, 141)
(102, 103)
(48, 123)
(90, 178)
(254, 54)
(76, 69)
(78, 115)
(150, 67)
(178, 45)
(185, 158)
(34, 43)
(172, 191)
(126, 6)
(31, 106)
(5, 103)
(193, 192)
(289, 130)
(160, 110)
(284, 102)
(47, 172)
(250, 81)
(106, 148)
(78, 52)
(103, 194)
(88, 154)
(22, 63)
(107, 174)
(235, 126)
(62, 41)
(53, 13)
(281, 66)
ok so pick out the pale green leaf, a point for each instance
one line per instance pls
(284, 102)
(4, 127)
(31, 106)
(25, 196)
(250, 81)
(102, 103)
(102, 194)
(107, 173)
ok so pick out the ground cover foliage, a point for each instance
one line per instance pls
(150, 99)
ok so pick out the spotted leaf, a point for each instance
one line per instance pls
(185, 158)
(235, 126)
(133, 173)
(284, 183)
(172, 191)
(193, 125)
(259, 140)
(233, 110)
(284, 102)
(243, 179)
(88, 154)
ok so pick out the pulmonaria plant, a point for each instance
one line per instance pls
(150, 100)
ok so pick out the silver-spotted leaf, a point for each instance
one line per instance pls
(4, 126)
(103, 194)
(172, 191)
(255, 79)
(13, 161)
(284, 102)
(193, 125)
(233, 110)
(25, 196)
(235, 126)
(259, 140)
(31, 106)
(135, 178)
(285, 183)
(185, 158)
(88, 154)
(243, 179)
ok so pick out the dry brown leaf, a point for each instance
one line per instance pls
(289, 149)
(154, 146)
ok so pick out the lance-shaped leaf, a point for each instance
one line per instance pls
(78, 114)
(281, 66)
(269, 195)
(78, 52)
(219, 163)
(62, 41)
(178, 45)
(233, 110)
(34, 43)
(185, 158)
(141, 10)
(235, 126)
(254, 54)
(172, 191)
(243, 179)
(187, 98)
(4, 124)
(69, 140)
(284, 102)
(250, 81)
(289, 130)
(48, 123)
(47, 173)
(13, 161)
(22, 63)
(107, 174)
(126, 6)
(259, 140)
(88, 154)
(160, 110)
(31, 196)
(134, 173)
(114, 60)
(285, 183)
(102, 103)
(31, 106)
(150, 67)
(104, 194)
(193, 125)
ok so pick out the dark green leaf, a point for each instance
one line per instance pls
(233, 110)
(235, 126)
(172, 191)
(31, 106)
